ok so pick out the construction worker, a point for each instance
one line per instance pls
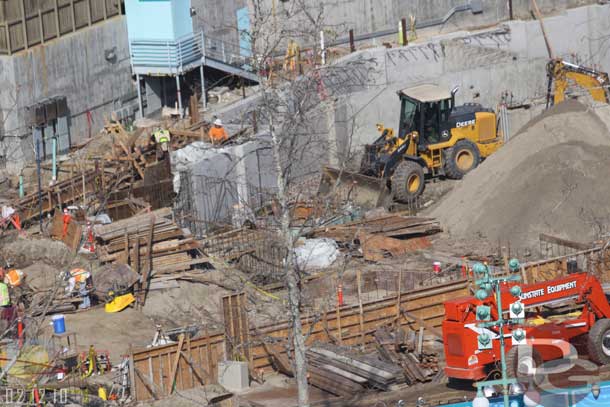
(13, 277)
(66, 221)
(83, 292)
(217, 133)
(162, 139)
(81, 279)
(292, 53)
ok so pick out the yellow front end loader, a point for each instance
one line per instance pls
(435, 138)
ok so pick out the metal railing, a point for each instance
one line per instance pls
(170, 54)
(176, 56)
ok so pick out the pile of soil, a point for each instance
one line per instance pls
(552, 177)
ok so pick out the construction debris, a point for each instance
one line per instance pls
(342, 372)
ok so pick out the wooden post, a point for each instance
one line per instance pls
(352, 45)
(398, 296)
(84, 189)
(126, 247)
(136, 254)
(510, 10)
(172, 376)
(361, 312)
(338, 312)
(420, 341)
(546, 38)
(208, 345)
(132, 374)
(148, 272)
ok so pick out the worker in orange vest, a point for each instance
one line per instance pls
(66, 218)
(217, 133)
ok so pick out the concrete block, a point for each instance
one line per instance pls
(233, 376)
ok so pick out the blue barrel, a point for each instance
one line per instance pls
(59, 324)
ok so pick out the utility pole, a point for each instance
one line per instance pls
(488, 286)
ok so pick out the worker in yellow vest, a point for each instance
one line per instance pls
(162, 139)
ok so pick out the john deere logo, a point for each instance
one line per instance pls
(465, 123)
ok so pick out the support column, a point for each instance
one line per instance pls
(179, 94)
(141, 112)
(204, 100)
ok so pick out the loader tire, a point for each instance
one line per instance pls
(463, 157)
(522, 361)
(408, 181)
(598, 342)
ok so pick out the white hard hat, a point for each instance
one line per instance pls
(217, 122)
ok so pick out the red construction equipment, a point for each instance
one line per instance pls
(556, 312)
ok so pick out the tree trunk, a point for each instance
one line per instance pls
(292, 277)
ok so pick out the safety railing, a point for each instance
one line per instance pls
(176, 56)
(172, 55)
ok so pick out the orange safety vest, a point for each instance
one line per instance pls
(218, 134)
(80, 275)
(13, 277)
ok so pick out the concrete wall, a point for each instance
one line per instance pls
(91, 68)
(218, 17)
(225, 183)
(486, 65)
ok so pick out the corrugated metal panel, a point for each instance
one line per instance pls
(63, 135)
(41, 18)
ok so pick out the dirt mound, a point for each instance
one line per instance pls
(550, 178)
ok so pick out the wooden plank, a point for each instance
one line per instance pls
(360, 310)
(564, 242)
(172, 376)
(423, 324)
(149, 264)
(149, 386)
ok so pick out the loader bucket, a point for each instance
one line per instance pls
(364, 191)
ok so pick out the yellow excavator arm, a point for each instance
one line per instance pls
(562, 73)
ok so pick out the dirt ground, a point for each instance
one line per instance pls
(108, 332)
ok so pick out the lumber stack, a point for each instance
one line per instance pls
(148, 236)
(407, 352)
(391, 226)
(344, 372)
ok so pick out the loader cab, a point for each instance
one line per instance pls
(426, 109)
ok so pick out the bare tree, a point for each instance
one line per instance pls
(289, 106)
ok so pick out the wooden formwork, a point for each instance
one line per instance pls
(351, 325)
(265, 347)
(595, 260)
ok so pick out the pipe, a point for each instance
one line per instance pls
(385, 33)
(140, 104)
(54, 160)
(21, 191)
